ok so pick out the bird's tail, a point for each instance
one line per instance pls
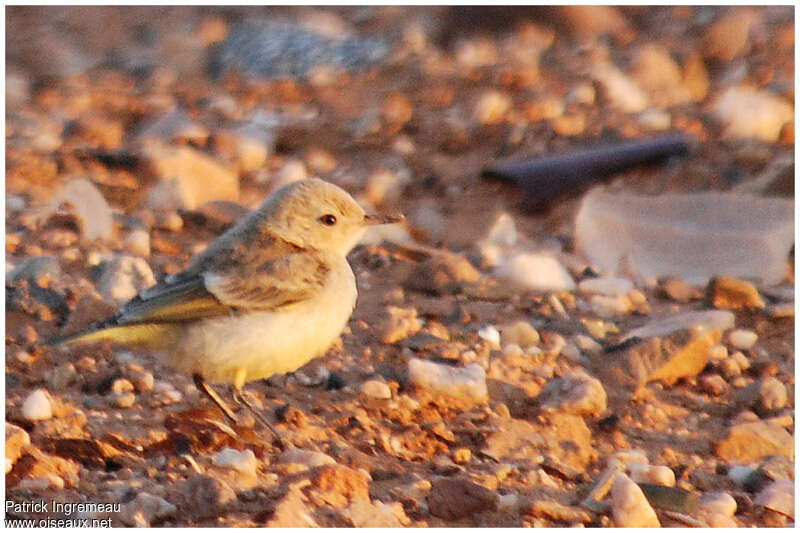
(144, 335)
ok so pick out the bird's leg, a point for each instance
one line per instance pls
(238, 396)
(201, 384)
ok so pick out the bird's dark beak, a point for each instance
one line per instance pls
(374, 220)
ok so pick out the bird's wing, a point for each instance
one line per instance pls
(272, 284)
(280, 282)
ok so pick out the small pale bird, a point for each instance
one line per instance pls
(266, 297)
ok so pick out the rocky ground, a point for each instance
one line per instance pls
(491, 375)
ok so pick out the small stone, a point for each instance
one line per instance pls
(455, 498)
(121, 385)
(166, 393)
(778, 496)
(81, 199)
(577, 393)
(728, 36)
(169, 220)
(363, 513)
(764, 395)
(293, 509)
(338, 485)
(206, 494)
(558, 512)
(17, 440)
(717, 502)
(717, 353)
(661, 475)
(713, 384)
(402, 323)
(605, 286)
(655, 119)
(742, 339)
(308, 458)
(468, 383)
(729, 368)
(374, 388)
(145, 509)
(37, 406)
(490, 334)
(251, 143)
(587, 344)
(123, 399)
(536, 271)
(188, 178)
(492, 107)
(748, 112)
(752, 441)
(678, 290)
(621, 91)
(138, 242)
(741, 360)
(321, 161)
(142, 380)
(462, 456)
(243, 461)
(124, 277)
(386, 186)
(629, 506)
(610, 306)
(521, 333)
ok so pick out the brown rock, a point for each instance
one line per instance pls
(205, 495)
(338, 485)
(37, 465)
(667, 359)
(363, 513)
(454, 498)
(17, 440)
(402, 324)
(445, 273)
(752, 441)
(678, 290)
(763, 395)
(558, 512)
(293, 510)
(727, 37)
(577, 393)
(564, 436)
(724, 292)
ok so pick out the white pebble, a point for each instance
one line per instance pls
(138, 242)
(661, 475)
(742, 339)
(376, 389)
(606, 286)
(309, 458)
(37, 406)
(467, 383)
(610, 306)
(718, 503)
(243, 461)
(537, 271)
(629, 505)
(492, 107)
(587, 344)
(489, 333)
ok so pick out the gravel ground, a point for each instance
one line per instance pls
(490, 375)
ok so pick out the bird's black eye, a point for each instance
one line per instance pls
(328, 220)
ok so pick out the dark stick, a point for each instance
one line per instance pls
(547, 178)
